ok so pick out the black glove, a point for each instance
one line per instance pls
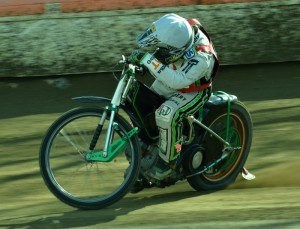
(136, 56)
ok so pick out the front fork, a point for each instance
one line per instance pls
(111, 149)
(110, 130)
(98, 130)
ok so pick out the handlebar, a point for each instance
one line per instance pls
(138, 67)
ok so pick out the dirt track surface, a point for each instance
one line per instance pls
(272, 200)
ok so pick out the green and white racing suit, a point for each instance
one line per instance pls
(186, 84)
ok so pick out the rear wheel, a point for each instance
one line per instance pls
(83, 183)
(239, 135)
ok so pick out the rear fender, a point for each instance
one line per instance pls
(218, 100)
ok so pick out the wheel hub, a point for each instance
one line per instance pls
(197, 159)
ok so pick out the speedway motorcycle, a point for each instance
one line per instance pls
(93, 156)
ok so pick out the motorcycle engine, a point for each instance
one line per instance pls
(153, 167)
(150, 157)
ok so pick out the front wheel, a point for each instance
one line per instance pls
(83, 183)
(239, 135)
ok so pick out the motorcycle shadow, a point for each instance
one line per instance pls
(156, 196)
(90, 218)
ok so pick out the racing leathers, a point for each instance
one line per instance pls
(186, 84)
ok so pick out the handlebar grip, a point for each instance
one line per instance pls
(141, 68)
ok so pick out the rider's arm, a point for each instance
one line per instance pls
(182, 77)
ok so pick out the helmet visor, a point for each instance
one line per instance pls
(148, 37)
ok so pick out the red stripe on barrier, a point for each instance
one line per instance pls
(6, 11)
(27, 7)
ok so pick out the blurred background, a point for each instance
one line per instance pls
(53, 50)
(54, 37)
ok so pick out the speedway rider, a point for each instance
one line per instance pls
(184, 64)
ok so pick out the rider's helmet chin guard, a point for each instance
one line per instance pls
(171, 36)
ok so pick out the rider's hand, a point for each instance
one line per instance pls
(143, 70)
(136, 56)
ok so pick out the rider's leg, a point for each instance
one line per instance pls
(169, 114)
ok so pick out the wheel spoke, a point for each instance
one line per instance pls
(69, 140)
(70, 176)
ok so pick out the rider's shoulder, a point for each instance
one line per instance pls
(194, 54)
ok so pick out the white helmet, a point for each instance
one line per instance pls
(171, 34)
